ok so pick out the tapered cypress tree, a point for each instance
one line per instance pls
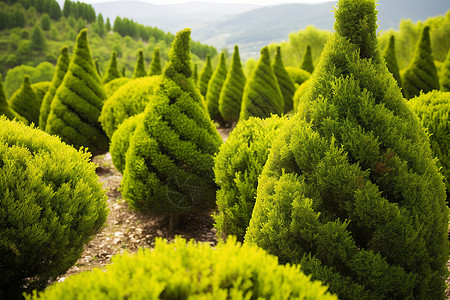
(307, 61)
(61, 68)
(155, 66)
(231, 94)
(168, 167)
(78, 101)
(421, 74)
(445, 74)
(214, 88)
(351, 190)
(139, 69)
(262, 95)
(285, 82)
(25, 102)
(4, 106)
(205, 76)
(112, 72)
(391, 60)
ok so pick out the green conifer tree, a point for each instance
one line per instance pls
(421, 74)
(78, 101)
(231, 95)
(445, 74)
(285, 82)
(112, 72)
(307, 61)
(214, 87)
(391, 60)
(4, 107)
(139, 69)
(61, 68)
(155, 66)
(25, 102)
(38, 42)
(205, 76)
(262, 95)
(350, 190)
(168, 168)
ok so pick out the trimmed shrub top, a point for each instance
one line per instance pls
(40, 89)
(139, 69)
(391, 60)
(298, 75)
(155, 65)
(191, 271)
(4, 106)
(112, 72)
(205, 76)
(307, 61)
(214, 88)
(112, 86)
(285, 82)
(25, 102)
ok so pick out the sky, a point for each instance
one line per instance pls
(262, 2)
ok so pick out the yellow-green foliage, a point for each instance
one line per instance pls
(298, 75)
(78, 101)
(4, 106)
(301, 90)
(40, 89)
(433, 108)
(139, 69)
(155, 66)
(237, 167)
(61, 68)
(421, 74)
(350, 190)
(262, 96)
(205, 76)
(231, 94)
(112, 72)
(307, 61)
(168, 168)
(214, 88)
(128, 100)
(445, 74)
(181, 270)
(25, 102)
(391, 60)
(285, 82)
(112, 86)
(51, 204)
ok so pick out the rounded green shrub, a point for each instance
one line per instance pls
(285, 82)
(298, 75)
(205, 76)
(78, 101)
(231, 94)
(25, 102)
(155, 65)
(120, 140)
(4, 106)
(51, 204)
(112, 72)
(214, 88)
(139, 68)
(262, 95)
(421, 74)
(40, 89)
(307, 61)
(61, 68)
(433, 108)
(181, 270)
(128, 100)
(445, 74)
(350, 190)
(169, 164)
(237, 167)
(391, 60)
(112, 86)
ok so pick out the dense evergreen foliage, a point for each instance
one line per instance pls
(139, 69)
(350, 190)
(40, 89)
(307, 61)
(445, 74)
(391, 60)
(112, 86)
(5, 109)
(25, 102)
(298, 75)
(285, 82)
(215, 85)
(155, 66)
(299, 92)
(51, 204)
(205, 76)
(112, 72)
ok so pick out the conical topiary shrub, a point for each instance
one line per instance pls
(445, 74)
(298, 75)
(112, 86)
(391, 60)
(214, 88)
(262, 96)
(168, 168)
(155, 65)
(61, 68)
(25, 102)
(307, 61)
(350, 190)
(421, 74)
(78, 101)
(205, 76)
(231, 94)
(237, 167)
(112, 72)
(4, 106)
(285, 82)
(139, 69)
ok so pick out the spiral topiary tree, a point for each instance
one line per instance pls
(61, 68)
(78, 101)
(112, 72)
(285, 82)
(262, 95)
(350, 190)
(237, 167)
(25, 102)
(391, 60)
(421, 74)
(307, 61)
(445, 74)
(214, 88)
(231, 94)
(139, 69)
(168, 167)
(51, 204)
(298, 75)
(4, 107)
(155, 65)
(205, 76)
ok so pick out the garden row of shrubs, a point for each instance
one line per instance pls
(347, 190)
